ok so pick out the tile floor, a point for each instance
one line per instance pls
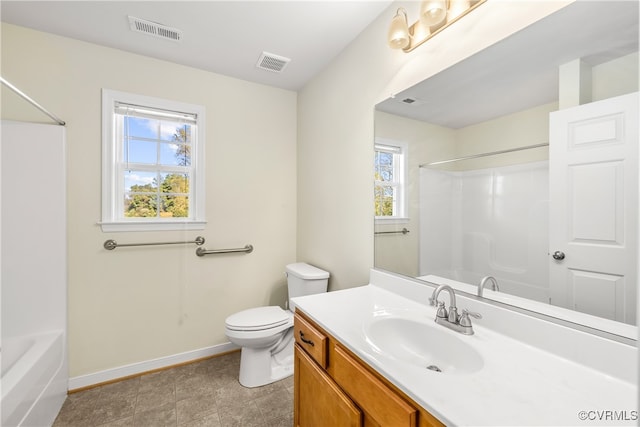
(205, 393)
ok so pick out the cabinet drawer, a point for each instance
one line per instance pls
(311, 340)
(370, 393)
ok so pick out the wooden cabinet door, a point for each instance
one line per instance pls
(379, 402)
(318, 401)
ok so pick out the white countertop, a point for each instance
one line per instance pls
(519, 384)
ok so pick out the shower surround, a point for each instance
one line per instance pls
(34, 273)
(487, 222)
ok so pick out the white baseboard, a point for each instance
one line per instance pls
(146, 366)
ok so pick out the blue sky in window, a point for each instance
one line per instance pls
(384, 166)
(140, 150)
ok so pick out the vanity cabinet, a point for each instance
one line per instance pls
(333, 387)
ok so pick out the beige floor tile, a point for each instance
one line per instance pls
(203, 394)
(75, 414)
(122, 422)
(209, 420)
(195, 407)
(242, 415)
(149, 382)
(110, 408)
(160, 396)
(275, 405)
(195, 387)
(163, 416)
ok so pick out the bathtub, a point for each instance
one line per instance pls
(34, 379)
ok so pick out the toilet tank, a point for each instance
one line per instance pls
(305, 279)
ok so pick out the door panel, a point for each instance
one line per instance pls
(593, 167)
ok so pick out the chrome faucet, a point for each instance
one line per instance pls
(483, 282)
(451, 319)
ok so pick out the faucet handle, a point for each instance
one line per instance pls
(464, 317)
(473, 314)
(441, 311)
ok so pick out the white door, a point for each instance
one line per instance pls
(593, 170)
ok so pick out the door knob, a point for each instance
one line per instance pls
(558, 255)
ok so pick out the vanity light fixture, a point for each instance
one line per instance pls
(435, 15)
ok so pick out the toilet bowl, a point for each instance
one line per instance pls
(266, 333)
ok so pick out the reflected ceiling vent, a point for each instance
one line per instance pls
(154, 29)
(411, 101)
(271, 62)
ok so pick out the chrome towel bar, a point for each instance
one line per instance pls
(403, 231)
(112, 244)
(202, 251)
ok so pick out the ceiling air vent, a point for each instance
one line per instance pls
(271, 62)
(155, 29)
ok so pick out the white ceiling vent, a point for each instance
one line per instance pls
(154, 29)
(271, 62)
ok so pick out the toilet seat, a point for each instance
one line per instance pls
(259, 319)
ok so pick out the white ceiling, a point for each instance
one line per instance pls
(225, 37)
(521, 71)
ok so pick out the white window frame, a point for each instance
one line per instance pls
(113, 218)
(400, 150)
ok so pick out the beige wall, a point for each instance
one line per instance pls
(336, 128)
(614, 78)
(520, 129)
(136, 304)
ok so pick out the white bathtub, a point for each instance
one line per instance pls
(34, 379)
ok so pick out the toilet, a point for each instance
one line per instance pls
(266, 333)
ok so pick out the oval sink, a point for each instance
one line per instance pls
(422, 344)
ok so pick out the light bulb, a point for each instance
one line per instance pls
(398, 37)
(456, 7)
(433, 12)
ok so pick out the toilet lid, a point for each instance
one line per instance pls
(258, 318)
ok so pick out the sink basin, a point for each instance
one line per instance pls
(423, 344)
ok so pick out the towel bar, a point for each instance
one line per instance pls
(403, 231)
(112, 244)
(202, 251)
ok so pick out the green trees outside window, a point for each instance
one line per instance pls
(167, 195)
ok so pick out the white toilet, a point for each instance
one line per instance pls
(266, 333)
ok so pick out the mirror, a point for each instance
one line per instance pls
(473, 197)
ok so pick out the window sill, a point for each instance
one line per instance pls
(394, 220)
(110, 227)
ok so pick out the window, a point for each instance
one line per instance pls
(390, 178)
(153, 163)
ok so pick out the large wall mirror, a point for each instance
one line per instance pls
(521, 163)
